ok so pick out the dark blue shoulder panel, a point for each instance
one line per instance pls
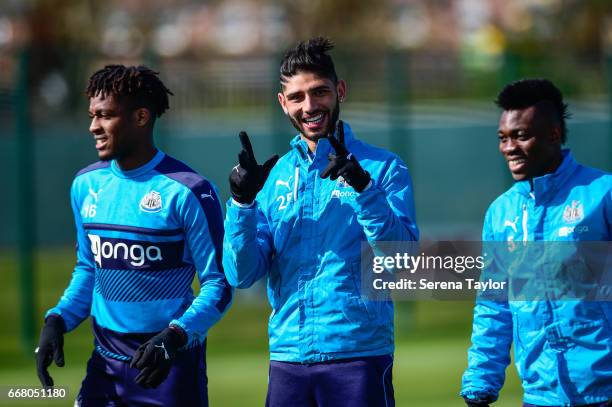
(209, 201)
(93, 167)
(179, 172)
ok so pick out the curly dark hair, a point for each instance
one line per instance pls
(138, 85)
(529, 92)
(309, 56)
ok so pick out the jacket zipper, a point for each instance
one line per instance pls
(525, 218)
(296, 179)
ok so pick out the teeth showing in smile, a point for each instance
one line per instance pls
(314, 119)
(516, 161)
(100, 141)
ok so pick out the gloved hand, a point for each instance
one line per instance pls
(155, 357)
(344, 164)
(50, 348)
(477, 403)
(248, 177)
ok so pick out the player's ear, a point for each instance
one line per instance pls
(283, 102)
(142, 117)
(555, 135)
(341, 89)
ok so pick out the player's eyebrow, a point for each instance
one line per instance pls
(318, 88)
(99, 114)
(315, 89)
(100, 111)
(513, 131)
(294, 94)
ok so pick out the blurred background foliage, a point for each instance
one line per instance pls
(445, 39)
(421, 75)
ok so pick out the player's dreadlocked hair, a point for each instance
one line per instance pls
(529, 92)
(309, 56)
(138, 85)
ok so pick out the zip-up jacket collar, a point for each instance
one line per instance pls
(304, 234)
(546, 186)
(556, 340)
(323, 146)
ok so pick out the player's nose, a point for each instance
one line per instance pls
(94, 126)
(508, 146)
(310, 105)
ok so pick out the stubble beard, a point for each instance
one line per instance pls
(330, 126)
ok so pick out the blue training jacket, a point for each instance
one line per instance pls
(563, 349)
(142, 235)
(304, 233)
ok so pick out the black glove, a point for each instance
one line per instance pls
(248, 177)
(154, 357)
(50, 348)
(478, 403)
(344, 164)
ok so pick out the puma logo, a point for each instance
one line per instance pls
(285, 183)
(166, 356)
(204, 196)
(512, 224)
(94, 194)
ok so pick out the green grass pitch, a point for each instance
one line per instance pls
(432, 339)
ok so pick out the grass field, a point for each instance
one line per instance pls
(432, 338)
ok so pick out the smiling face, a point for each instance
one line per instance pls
(120, 132)
(530, 142)
(312, 103)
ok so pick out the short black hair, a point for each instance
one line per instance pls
(529, 92)
(138, 85)
(310, 56)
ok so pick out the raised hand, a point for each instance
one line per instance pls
(344, 164)
(248, 177)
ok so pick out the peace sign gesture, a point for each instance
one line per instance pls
(344, 164)
(248, 177)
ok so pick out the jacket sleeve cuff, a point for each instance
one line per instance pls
(179, 325)
(181, 334)
(239, 213)
(57, 313)
(55, 318)
(367, 186)
(242, 205)
(481, 396)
